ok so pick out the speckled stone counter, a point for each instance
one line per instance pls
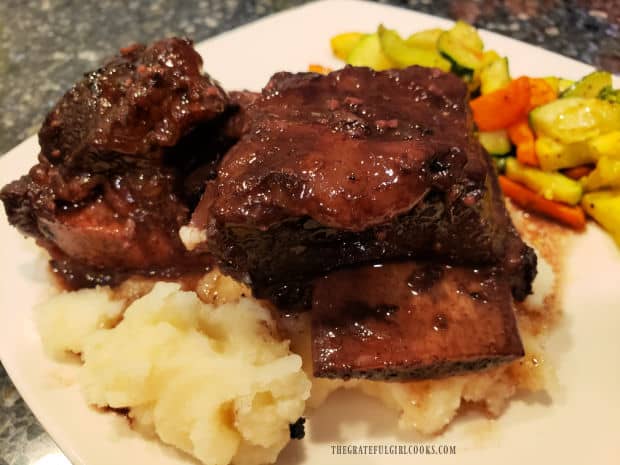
(46, 44)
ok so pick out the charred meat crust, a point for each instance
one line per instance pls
(137, 104)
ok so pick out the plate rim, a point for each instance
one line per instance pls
(53, 428)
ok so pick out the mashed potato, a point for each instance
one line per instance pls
(215, 381)
(429, 406)
(67, 319)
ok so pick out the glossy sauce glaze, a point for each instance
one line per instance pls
(412, 321)
(138, 103)
(350, 150)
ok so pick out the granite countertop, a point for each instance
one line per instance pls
(46, 44)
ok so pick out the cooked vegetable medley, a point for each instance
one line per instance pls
(554, 141)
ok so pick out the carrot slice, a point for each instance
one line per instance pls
(525, 198)
(526, 154)
(520, 132)
(522, 136)
(502, 108)
(578, 172)
(314, 68)
(541, 92)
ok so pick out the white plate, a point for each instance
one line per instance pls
(579, 425)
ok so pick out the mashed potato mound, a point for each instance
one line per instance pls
(429, 406)
(68, 318)
(215, 381)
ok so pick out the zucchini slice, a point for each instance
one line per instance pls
(564, 84)
(559, 84)
(468, 35)
(554, 156)
(500, 164)
(473, 78)
(342, 44)
(575, 119)
(589, 86)
(489, 56)
(426, 39)
(609, 94)
(606, 175)
(494, 76)
(604, 207)
(368, 52)
(554, 82)
(552, 186)
(462, 45)
(605, 145)
(397, 50)
(496, 143)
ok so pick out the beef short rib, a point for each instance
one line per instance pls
(124, 157)
(354, 167)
